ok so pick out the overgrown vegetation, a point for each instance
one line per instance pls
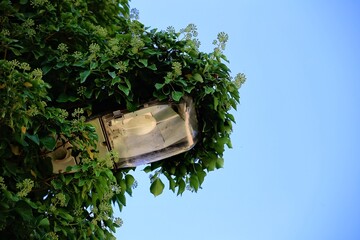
(60, 62)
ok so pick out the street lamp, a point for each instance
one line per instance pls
(155, 132)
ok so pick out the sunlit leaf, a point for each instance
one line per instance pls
(157, 187)
(129, 179)
(220, 163)
(197, 77)
(28, 84)
(176, 95)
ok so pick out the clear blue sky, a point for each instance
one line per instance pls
(294, 171)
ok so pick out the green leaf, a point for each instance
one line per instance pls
(229, 144)
(31, 204)
(68, 179)
(62, 213)
(157, 187)
(56, 184)
(168, 80)
(77, 175)
(124, 89)
(46, 69)
(131, 106)
(209, 90)
(129, 184)
(212, 164)
(25, 213)
(216, 103)
(127, 82)
(182, 170)
(201, 176)
(233, 103)
(34, 138)
(152, 67)
(110, 225)
(159, 85)
(84, 75)
(188, 88)
(151, 51)
(109, 174)
(84, 193)
(11, 196)
(176, 95)
(220, 163)
(144, 62)
(44, 222)
(224, 58)
(93, 65)
(88, 92)
(121, 198)
(66, 98)
(115, 80)
(122, 186)
(112, 74)
(48, 142)
(231, 117)
(73, 168)
(182, 185)
(15, 51)
(147, 169)
(197, 77)
(181, 82)
(60, 65)
(129, 179)
(172, 184)
(79, 63)
(194, 182)
(82, 182)
(100, 233)
(37, 54)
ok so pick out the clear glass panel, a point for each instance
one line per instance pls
(152, 133)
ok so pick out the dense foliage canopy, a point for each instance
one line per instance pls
(61, 61)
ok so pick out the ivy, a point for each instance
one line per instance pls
(157, 187)
(61, 63)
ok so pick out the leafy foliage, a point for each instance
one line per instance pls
(60, 56)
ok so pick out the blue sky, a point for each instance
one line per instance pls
(294, 171)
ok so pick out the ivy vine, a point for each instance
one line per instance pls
(61, 63)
